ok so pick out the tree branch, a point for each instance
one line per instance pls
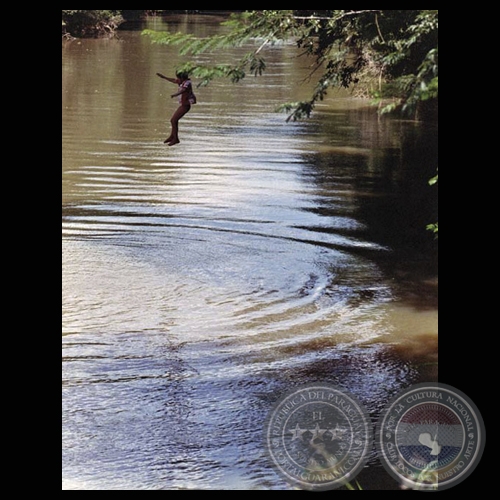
(309, 77)
(321, 18)
(378, 28)
(262, 46)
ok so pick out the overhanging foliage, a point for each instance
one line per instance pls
(398, 47)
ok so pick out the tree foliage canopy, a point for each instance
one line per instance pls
(398, 48)
(90, 23)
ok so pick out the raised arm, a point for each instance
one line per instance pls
(171, 80)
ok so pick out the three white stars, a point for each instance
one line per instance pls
(318, 433)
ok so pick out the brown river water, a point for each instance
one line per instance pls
(201, 282)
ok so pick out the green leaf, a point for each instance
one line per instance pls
(434, 180)
(433, 228)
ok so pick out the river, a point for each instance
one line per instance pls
(202, 281)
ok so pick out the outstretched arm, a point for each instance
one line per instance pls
(171, 80)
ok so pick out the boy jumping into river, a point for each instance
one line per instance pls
(186, 99)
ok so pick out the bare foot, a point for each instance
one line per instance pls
(173, 143)
(166, 141)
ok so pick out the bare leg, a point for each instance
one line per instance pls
(174, 136)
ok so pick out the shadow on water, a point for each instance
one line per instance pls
(382, 167)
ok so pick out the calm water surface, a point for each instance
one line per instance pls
(201, 282)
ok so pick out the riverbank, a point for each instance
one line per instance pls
(106, 24)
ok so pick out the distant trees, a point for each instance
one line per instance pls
(138, 14)
(99, 23)
(90, 23)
